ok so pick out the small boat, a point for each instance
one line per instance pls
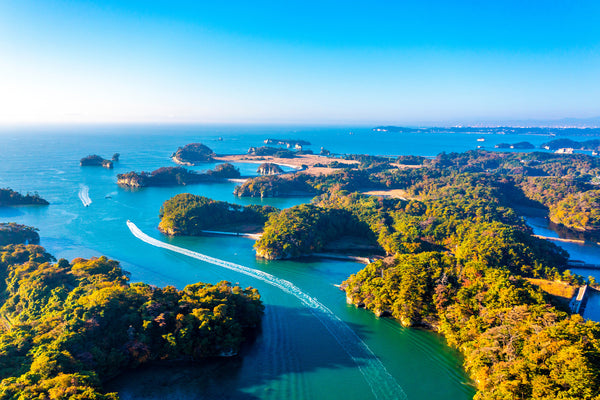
(481, 139)
(220, 139)
(108, 196)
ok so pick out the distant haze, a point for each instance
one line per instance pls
(300, 62)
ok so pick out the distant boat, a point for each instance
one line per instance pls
(108, 196)
(481, 139)
(220, 139)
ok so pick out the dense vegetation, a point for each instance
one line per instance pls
(306, 229)
(271, 151)
(66, 327)
(193, 154)
(459, 260)
(579, 211)
(276, 186)
(95, 160)
(12, 233)
(176, 176)
(187, 214)
(9, 197)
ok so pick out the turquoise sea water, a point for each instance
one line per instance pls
(295, 356)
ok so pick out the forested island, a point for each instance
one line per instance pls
(9, 197)
(95, 160)
(68, 327)
(193, 154)
(188, 214)
(177, 176)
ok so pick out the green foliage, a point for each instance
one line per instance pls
(187, 214)
(306, 229)
(68, 327)
(177, 176)
(12, 233)
(276, 186)
(193, 153)
(579, 211)
(9, 197)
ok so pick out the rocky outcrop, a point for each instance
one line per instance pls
(95, 160)
(269, 169)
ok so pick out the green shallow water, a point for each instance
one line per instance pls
(294, 357)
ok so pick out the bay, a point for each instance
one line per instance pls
(294, 356)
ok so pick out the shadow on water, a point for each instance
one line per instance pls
(270, 365)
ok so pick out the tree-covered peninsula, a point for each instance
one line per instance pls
(9, 197)
(177, 176)
(13, 233)
(188, 214)
(67, 327)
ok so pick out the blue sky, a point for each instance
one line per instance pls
(321, 62)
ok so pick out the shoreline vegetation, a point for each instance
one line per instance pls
(459, 259)
(9, 197)
(191, 215)
(177, 176)
(68, 327)
(193, 154)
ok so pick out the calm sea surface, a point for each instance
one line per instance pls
(295, 356)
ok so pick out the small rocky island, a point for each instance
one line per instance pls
(94, 160)
(193, 154)
(9, 197)
(269, 169)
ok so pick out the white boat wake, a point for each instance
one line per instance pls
(382, 383)
(84, 195)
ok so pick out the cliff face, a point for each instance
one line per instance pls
(131, 181)
(269, 169)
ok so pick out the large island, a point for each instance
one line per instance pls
(68, 327)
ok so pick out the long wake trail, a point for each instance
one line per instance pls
(382, 383)
(84, 195)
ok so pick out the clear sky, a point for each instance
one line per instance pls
(310, 62)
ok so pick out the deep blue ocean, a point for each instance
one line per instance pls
(295, 356)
